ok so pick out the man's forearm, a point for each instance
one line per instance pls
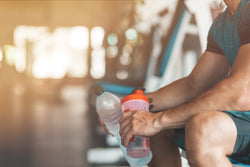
(174, 94)
(224, 96)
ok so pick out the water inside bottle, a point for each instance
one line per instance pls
(138, 153)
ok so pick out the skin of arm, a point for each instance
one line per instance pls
(230, 94)
(219, 94)
(210, 69)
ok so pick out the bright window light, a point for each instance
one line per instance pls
(79, 37)
(97, 35)
(112, 39)
(131, 34)
(41, 68)
(22, 34)
(97, 70)
(78, 67)
(125, 59)
(122, 74)
(127, 49)
(9, 54)
(59, 63)
(112, 51)
(1, 54)
(52, 54)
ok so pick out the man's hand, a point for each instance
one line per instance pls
(101, 121)
(137, 123)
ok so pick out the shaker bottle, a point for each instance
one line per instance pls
(138, 146)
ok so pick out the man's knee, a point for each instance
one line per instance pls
(199, 128)
(209, 133)
(198, 132)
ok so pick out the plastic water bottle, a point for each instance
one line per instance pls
(138, 146)
(109, 109)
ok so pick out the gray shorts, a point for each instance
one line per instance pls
(241, 151)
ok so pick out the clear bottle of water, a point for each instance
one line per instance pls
(109, 109)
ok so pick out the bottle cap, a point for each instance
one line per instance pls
(137, 95)
(99, 90)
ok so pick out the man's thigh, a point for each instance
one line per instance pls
(242, 143)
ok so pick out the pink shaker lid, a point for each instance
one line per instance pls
(138, 95)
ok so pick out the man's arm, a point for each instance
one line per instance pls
(210, 69)
(232, 93)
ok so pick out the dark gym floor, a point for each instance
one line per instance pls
(48, 130)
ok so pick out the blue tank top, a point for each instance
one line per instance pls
(226, 35)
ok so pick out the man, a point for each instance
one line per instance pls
(212, 103)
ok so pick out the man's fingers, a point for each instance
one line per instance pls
(101, 121)
(126, 127)
(126, 136)
(124, 132)
(124, 123)
(108, 130)
(126, 115)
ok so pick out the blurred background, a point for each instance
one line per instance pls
(53, 53)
